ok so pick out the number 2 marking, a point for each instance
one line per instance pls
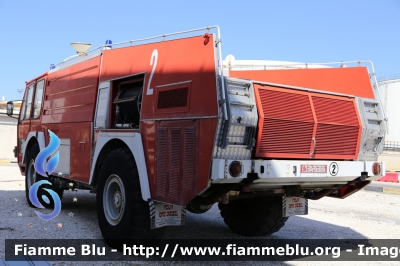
(333, 169)
(154, 57)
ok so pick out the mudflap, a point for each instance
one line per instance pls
(166, 214)
(292, 206)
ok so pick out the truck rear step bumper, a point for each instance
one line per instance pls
(293, 171)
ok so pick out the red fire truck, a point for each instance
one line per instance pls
(165, 126)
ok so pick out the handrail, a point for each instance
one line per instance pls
(389, 77)
(140, 40)
(217, 42)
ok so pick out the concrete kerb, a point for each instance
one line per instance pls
(383, 187)
(5, 161)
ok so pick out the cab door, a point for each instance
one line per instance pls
(37, 106)
(24, 126)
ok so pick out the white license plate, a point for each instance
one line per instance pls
(164, 214)
(313, 168)
(292, 206)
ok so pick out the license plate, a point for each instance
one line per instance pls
(294, 206)
(164, 214)
(313, 168)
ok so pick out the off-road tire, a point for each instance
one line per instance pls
(30, 180)
(134, 223)
(254, 216)
(196, 208)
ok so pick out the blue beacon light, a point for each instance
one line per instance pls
(108, 44)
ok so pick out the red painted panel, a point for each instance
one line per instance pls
(80, 153)
(181, 60)
(351, 80)
(71, 93)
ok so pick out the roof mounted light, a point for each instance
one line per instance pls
(52, 66)
(108, 45)
(81, 47)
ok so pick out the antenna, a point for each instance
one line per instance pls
(81, 47)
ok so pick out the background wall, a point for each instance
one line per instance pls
(8, 134)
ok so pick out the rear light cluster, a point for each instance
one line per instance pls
(376, 168)
(235, 169)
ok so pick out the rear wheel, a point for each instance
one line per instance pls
(254, 216)
(31, 177)
(122, 213)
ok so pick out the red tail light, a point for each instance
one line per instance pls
(376, 168)
(235, 169)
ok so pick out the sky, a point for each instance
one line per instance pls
(35, 34)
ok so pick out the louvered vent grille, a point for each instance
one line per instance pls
(189, 158)
(335, 111)
(172, 98)
(338, 128)
(175, 163)
(336, 139)
(289, 125)
(161, 162)
(176, 160)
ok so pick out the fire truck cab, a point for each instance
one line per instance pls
(158, 128)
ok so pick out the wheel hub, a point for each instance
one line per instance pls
(114, 199)
(117, 199)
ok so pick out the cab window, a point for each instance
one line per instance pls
(27, 104)
(37, 104)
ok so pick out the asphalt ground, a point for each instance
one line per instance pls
(364, 215)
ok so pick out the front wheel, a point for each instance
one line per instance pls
(254, 216)
(121, 211)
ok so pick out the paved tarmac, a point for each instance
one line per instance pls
(364, 215)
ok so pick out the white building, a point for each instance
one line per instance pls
(8, 134)
(390, 91)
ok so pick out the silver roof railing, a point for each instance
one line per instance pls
(389, 77)
(142, 40)
(131, 42)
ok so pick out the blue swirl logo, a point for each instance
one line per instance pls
(35, 201)
(44, 169)
(40, 163)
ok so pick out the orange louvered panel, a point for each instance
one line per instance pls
(336, 140)
(338, 127)
(290, 120)
(286, 121)
(334, 110)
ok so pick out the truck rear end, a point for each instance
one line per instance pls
(291, 133)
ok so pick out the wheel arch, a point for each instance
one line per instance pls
(109, 141)
(32, 138)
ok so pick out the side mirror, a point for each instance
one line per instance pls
(10, 108)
